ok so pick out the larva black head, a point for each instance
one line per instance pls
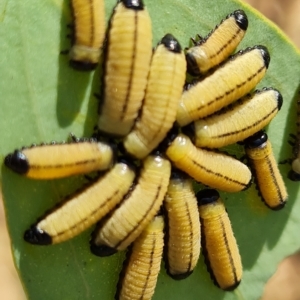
(207, 196)
(256, 140)
(178, 174)
(37, 236)
(17, 162)
(241, 19)
(102, 250)
(279, 99)
(191, 64)
(170, 42)
(133, 4)
(127, 161)
(294, 176)
(264, 53)
(189, 130)
(171, 136)
(82, 65)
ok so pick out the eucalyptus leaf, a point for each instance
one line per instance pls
(43, 99)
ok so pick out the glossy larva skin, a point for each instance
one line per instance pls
(61, 160)
(268, 178)
(213, 169)
(238, 76)
(89, 32)
(84, 208)
(143, 266)
(242, 120)
(218, 45)
(219, 245)
(164, 88)
(128, 55)
(139, 206)
(183, 238)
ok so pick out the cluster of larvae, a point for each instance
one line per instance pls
(156, 135)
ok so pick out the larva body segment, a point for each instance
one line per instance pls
(241, 120)
(89, 32)
(183, 230)
(83, 208)
(268, 178)
(234, 79)
(164, 88)
(219, 244)
(128, 55)
(218, 45)
(137, 209)
(143, 264)
(61, 160)
(213, 169)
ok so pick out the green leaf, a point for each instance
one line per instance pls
(43, 100)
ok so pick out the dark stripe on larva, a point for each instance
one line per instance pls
(245, 128)
(89, 216)
(163, 122)
(278, 190)
(218, 174)
(226, 45)
(232, 90)
(92, 19)
(191, 236)
(83, 162)
(228, 251)
(149, 268)
(144, 216)
(127, 98)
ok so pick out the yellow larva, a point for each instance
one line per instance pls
(61, 160)
(213, 169)
(243, 119)
(164, 88)
(128, 55)
(136, 210)
(218, 45)
(89, 31)
(183, 230)
(219, 244)
(238, 76)
(268, 178)
(140, 274)
(84, 208)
